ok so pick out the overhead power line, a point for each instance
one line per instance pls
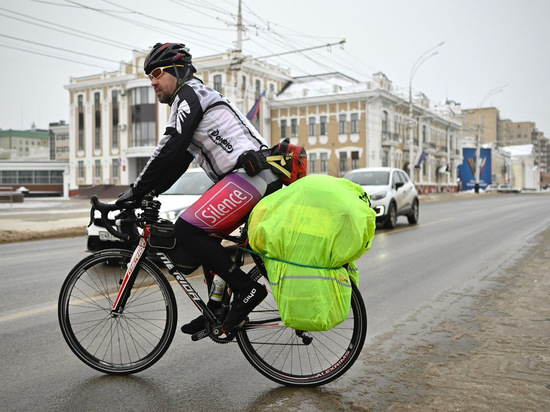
(149, 27)
(341, 43)
(58, 48)
(53, 57)
(70, 31)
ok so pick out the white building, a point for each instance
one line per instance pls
(525, 174)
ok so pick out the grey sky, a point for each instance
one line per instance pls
(488, 44)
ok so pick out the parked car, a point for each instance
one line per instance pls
(187, 189)
(508, 189)
(391, 191)
(491, 188)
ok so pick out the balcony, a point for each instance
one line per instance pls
(429, 147)
(390, 139)
(442, 150)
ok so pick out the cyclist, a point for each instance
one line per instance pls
(204, 126)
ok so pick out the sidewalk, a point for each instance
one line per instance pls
(43, 218)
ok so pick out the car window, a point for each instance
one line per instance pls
(404, 177)
(397, 178)
(190, 184)
(370, 178)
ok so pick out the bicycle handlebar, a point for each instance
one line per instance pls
(104, 209)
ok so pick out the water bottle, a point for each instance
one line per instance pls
(218, 286)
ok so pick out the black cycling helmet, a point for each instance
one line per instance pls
(166, 54)
(171, 54)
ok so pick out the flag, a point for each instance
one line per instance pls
(255, 109)
(421, 159)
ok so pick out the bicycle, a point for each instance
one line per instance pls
(118, 314)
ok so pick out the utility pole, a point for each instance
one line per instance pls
(240, 29)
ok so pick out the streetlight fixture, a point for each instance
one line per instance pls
(478, 132)
(423, 57)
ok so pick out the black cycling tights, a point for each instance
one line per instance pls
(209, 252)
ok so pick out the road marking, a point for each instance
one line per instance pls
(411, 227)
(27, 313)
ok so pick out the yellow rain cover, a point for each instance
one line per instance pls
(306, 233)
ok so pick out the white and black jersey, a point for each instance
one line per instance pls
(205, 126)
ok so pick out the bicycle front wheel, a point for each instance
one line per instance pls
(122, 343)
(297, 358)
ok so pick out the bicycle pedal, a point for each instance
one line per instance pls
(199, 335)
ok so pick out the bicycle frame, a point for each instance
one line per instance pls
(131, 273)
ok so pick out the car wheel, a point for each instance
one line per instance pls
(412, 217)
(391, 219)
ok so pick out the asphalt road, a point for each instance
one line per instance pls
(416, 280)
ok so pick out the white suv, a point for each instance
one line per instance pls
(391, 192)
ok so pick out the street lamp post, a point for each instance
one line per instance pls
(423, 57)
(478, 135)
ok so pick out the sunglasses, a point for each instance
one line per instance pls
(156, 73)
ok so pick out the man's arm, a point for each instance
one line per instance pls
(171, 157)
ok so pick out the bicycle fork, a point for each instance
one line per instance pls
(129, 278)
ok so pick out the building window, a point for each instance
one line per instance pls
(257, 89)
(312, 163)
(343, 163)
(243, 86)
(115, 120)
(8, 176)
(384, 121)
(56, 177)
(324, 162)
(354, 160)
(80, 123)
(97, 169)
(18, 177)
(342, 129)
(81, 169)
(97, 122)
(385, 158)
(218, 86)
(115, 166)
(323, 126)
(25, 177)
(312, 127)
(354, 125)
(293, 127)
(41, 176)
(142, 117)
(283, 128)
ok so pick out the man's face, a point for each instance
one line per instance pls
(165, 85)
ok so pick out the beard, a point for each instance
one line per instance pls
(164, 97)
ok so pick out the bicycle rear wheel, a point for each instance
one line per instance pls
(123, 343)
(297, 358)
